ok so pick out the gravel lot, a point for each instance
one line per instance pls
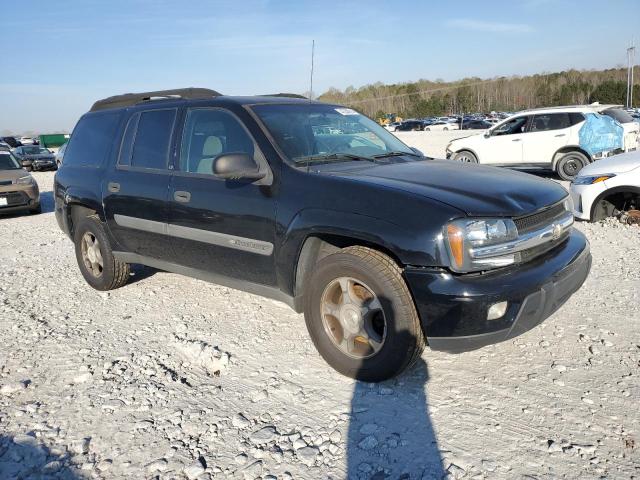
(170, 377)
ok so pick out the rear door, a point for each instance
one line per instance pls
(135, 190)
(223, 227)
(548, 133)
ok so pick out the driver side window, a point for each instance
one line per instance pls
(209, 133)
(516, 125)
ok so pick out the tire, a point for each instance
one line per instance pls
(427, 129)
(378, 276)
(570, 164)
(445, 129)
(465, 156)
(112, 273)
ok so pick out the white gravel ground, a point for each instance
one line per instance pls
(170, 377)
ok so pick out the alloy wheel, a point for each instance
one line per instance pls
(353, 317)
(91, 255)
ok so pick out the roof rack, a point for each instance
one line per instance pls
(129, 99)
(289, 95)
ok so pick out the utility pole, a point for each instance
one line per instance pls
(313, 46)
(630, 64)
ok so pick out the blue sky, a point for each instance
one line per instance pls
(61, 56)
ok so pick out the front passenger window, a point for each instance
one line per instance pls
(517, 125)
(209, 133)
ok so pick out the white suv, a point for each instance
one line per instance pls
(564, 139)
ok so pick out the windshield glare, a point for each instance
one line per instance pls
(34, 150)
(315, 130)
(7, 162)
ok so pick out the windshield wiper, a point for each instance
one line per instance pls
(332, 157)
(395, 154)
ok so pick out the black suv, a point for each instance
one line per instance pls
(383, 250)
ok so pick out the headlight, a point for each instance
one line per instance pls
(568, 204)
(25, 180)
(462, 236)
(593, 179)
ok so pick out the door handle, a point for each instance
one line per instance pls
(182, 197)
(113, 187)
(561, 135)
(516, 140)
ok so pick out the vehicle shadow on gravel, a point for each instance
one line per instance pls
(140, 272)
(24, 457)
(390, 431)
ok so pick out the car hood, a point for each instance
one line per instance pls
(625, 162)
(12, 175)
(476, 190)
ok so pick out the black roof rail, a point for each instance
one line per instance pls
(129, 99)
(289, 95)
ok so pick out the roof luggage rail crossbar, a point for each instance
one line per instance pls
(130, 99)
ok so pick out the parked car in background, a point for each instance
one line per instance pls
(475, 125)
(391, 127)
(60, 154)
(410, 125)
(27, 140)
(18, 189)
(441, 125)
(11, 141)
(34, 157)
(630, 125)
(608, 187)
(563, 139)
(383, 250)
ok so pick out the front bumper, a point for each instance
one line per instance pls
(19, 197)
(583, 197)
(453, 308)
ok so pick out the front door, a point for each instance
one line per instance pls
(504, 145)
(135, 190)
(222, 227)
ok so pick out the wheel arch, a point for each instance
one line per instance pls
(566, 149)
(470, 150)
(622, 189)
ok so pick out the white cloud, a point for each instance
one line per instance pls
(493, 27)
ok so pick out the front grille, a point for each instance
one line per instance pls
(529, 223)
(15, 198)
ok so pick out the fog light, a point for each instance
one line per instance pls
(497, 310)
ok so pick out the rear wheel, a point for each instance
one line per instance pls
(570, 164)
(465, 157)
(95, 258)
(361, 316)
(427, 129)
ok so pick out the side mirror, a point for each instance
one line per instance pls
(235, 166)
(487, 134)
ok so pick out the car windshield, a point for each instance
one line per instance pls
(34, 150)
(316, 132)
(7, 162)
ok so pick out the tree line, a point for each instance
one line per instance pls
(428, 98)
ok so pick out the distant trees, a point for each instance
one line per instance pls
(428, 98)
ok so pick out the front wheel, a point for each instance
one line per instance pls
(465, 157)
(361, 316)
(95, 258)
(427, 129)
(570, 164)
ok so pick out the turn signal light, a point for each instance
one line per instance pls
(456, 243)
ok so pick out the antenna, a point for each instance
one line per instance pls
(313, 47)
(630, 64)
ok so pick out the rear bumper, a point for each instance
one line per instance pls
(453, 308)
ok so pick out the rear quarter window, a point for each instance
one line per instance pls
(92, 139)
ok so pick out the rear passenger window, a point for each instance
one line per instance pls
(92, 139)
(209, 133)
(152, 139)
(550, 121)
(575, 118)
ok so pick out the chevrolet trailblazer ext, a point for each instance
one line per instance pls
(384, 250)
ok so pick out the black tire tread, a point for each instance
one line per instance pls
(385, 266)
